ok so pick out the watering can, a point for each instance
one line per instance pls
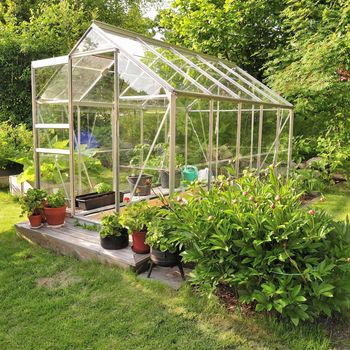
(189, 173)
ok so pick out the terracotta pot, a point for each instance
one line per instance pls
(55, 216)
(35, 220)
(138, 243)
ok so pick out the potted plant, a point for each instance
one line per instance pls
(141, 187)
(55, 209)
(112, 234)
(103, 196)
(135, 218)
(164, 246)
(32, 204)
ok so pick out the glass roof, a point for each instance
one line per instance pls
(152, 67)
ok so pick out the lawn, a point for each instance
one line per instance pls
(56, 302)
(337, 201)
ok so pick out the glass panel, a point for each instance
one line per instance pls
(87, 72)
(154, 62)
(93, 41)
(270, 95)
(192, 138)
(53, 138)
(268, 137)
(52, 114)
(284, 137)
(133, 81)
(139, 130)
(54, 172)
(233, 74)
(225, 136)
(92, 148)
(51, 82)
(249, 136)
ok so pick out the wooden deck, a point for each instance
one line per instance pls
(81, 243)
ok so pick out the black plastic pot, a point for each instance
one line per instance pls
(144, 185)
(164, 178)
(114, 242)
(165, 259)
(96, 200)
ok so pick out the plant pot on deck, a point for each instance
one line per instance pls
(35, 220)
(96, 200)
(165, 259)
(144, 186)
(164, 178)
(138, 243)
(115, 242)
(55, 216)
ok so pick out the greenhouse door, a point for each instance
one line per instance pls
(94, 138)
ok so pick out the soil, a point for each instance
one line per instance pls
(227, 296)
(60, 280)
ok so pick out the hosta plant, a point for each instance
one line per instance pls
(253, 235)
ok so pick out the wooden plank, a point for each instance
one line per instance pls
(72, 241)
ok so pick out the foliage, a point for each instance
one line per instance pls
(136, 216)
(253, 235)
(111, 226)
(240, 31)
(306, 69)
(56, 200)
(160, 231)
(33, 201)
(103, 187)
(15, 142)
(308, 181)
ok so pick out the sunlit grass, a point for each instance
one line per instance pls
(337, 201)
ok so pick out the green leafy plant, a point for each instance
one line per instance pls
(103, 187)
(136, 216)
(253, 235)
(15, 142)
(160, 231)
(32, 203)
(308, 181)
(111, 226)
(56, 200)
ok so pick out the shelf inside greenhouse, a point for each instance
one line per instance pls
(141, 117)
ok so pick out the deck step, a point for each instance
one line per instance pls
(76, 241)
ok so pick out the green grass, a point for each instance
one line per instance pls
(337, 201)
(54, 302)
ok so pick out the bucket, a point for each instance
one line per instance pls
(190, 173)
(144, 186)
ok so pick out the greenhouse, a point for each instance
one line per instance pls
(137, 117)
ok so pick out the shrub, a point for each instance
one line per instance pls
(253, 235)
(56, 200)
(309, 180)
(15, 142)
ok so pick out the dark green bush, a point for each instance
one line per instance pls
(253, 235)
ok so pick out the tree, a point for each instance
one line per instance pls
(242, 31)
(311, 69)
(35, 29)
